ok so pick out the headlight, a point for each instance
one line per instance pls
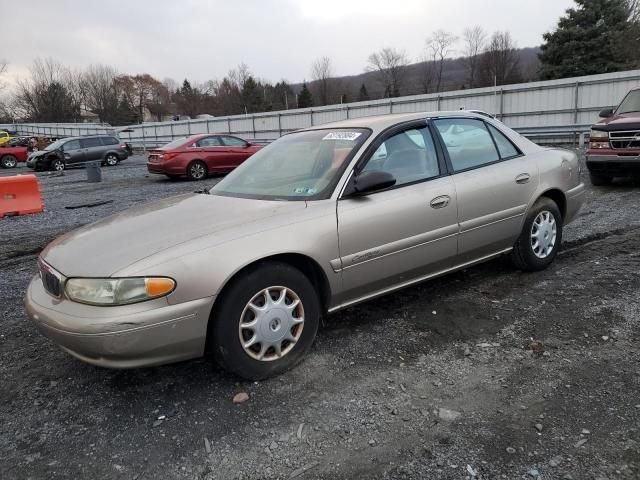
(118, 291)
(598, 135)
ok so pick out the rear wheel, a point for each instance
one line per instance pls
(8, 161)
(540, 238)
(266, 322)
(197, 170)
(111, 160)
(599, 180)
(57, 165)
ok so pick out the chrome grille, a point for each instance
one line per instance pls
(625, 139)
(50, 280)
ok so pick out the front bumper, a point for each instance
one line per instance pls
(613, 165)
(129, 336)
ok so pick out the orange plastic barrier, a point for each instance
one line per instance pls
(19, 195)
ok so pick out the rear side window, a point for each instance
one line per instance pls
(208, 142)
(505, 147)
(90, 142)
(468, 142)
(110, 141)
(233, 142)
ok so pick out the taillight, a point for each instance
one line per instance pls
(167, 156)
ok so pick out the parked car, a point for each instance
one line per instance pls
(200, 155)
(10, 156)
(313, 223)
(77, 150)
(614, 142)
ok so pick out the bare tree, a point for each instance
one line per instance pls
(389, 65)
(321, 73)
(475, 39)
(440, 44)
(52, 93)
(101, 93)
(500, 64)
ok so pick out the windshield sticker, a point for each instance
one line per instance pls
(307, 190)
(342, 136)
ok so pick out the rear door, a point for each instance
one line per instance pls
(406, 232)
(211, 151)
(73, 152)
(494, 182)
(93, 148)
(239, 149)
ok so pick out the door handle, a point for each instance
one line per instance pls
(440, 202)
(523, 178)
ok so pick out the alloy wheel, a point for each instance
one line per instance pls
(111, 160)
(197, 171)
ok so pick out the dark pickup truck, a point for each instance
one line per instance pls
(614, 142)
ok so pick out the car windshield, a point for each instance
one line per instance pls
(175, 143)
(299, 166)
(630, 103)
(54, 146)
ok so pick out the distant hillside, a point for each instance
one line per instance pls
(454, 77)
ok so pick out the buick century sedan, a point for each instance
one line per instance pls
(319, 220)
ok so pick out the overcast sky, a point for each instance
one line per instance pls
(202, 40)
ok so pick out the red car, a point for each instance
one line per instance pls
(10, 156)
(200, 155)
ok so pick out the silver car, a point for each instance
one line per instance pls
(319, 220)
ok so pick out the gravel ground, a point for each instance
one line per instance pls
(436, 381)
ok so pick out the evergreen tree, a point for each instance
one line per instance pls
(252, 96)
(305, 98)
(126, 114)
(591, 38)
(363, 95)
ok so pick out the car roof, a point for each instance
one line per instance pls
(379, 123)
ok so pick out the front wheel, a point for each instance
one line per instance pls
(266, 322)
(8, 161)
(111, 160)
(57, 165)
(540, 238)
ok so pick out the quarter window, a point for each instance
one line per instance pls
(505, 147)
(468, 142)
(410, 156)
(110, 141)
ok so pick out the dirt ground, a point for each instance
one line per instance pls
(435, 381)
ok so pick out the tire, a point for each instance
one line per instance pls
(111, 160)
(599, 180)
(226, 331)
(197, 170)
(57, 165)
(526, 254)
(8, 161)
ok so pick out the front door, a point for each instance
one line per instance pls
(393, 237)
(494, 183)
(73, 152)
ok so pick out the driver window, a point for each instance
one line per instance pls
(410, 156)
(72, 145)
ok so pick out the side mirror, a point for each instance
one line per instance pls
(606, 113)
(371, 181)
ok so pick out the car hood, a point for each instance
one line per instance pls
(109, 245)
(624, 121)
